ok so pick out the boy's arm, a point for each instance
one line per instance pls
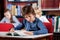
(42, 30)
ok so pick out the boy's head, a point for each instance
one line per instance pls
(28, 13)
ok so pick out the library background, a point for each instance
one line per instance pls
(50, 8)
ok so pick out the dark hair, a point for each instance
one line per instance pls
(28, 10)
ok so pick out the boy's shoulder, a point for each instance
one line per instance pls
(37, 19)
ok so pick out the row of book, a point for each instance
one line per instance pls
(15, 9)
(57, 24)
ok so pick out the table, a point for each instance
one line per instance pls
(32, 37)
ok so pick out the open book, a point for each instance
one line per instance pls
(17, 33)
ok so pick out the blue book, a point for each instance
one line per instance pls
(53, 21)
(19, 11)
(9, 6)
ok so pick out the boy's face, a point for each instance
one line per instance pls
(29, 17)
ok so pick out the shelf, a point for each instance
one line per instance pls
(56, 9)
(22, 1)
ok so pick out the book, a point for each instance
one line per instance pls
(9, 6)
(17, 33)
(21, 32)
(55, 24)
(14, 10)
(19, 13)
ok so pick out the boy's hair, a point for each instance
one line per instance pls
(28, 10)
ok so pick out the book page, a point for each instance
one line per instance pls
(21, 32)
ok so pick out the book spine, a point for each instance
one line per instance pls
(55, 24)
(13, 9)
(19, 11)
(16, 11)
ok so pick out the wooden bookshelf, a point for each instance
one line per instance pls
(20, 3)
(51, 7)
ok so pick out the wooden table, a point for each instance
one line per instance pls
(34, 37)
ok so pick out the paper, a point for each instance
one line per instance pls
(21, 32)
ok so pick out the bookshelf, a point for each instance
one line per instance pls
(51, 7)
(46, 5)
(17, 5)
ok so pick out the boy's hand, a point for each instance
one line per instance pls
(28, 33)
(23, 30)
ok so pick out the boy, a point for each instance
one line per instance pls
(32, 24)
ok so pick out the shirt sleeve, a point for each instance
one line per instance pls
(43, 29)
